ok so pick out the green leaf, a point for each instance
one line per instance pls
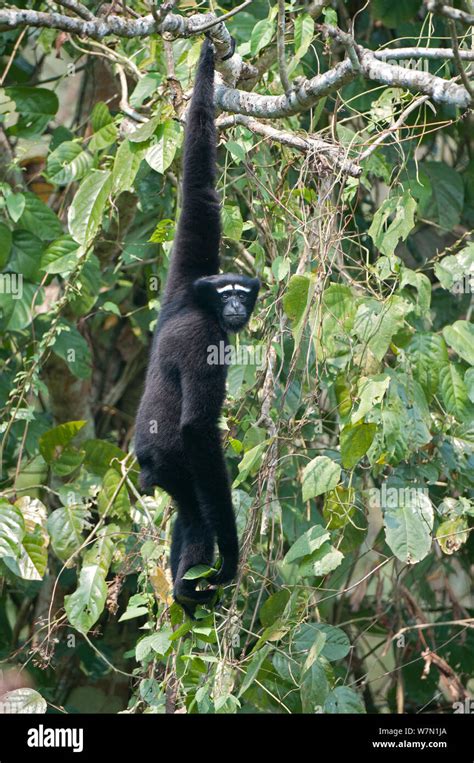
(199, 571)
(452, 534)
(159, 643)
(336, 644)
(88, 205)
(232, 223)
(385, 235)
(145, 87)
(12, 529)
(104, 137)
(61, 256)
(250, 462)
(453, 391)
(273, 608)
(253, 668)
(377, 322)
(15, 205)
(71, 346)
(355, 442)
(408, 524)
(262, 35)
(319, 476)
(86, 604)
(445, 204)
(311, 540)
(126, 163)
(342, 699)
(112, 498)
(314, 688)
(339, 507)
(39, 219)
(65, 527)
(52, 443)
(452, 270)
(146, 130)
(26, 255)
(296, 298)
(100, 116)
(160, 155)
(304, 33)
(36, 106)
(101, 456)
(460, 336)
(5, 244)
(427, 354)
(371, 391)
(164, 231)
(67, 163)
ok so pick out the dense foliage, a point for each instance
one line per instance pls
(348, 426)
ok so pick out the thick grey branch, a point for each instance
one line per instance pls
(434, 6)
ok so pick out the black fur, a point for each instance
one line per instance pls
(177, 440)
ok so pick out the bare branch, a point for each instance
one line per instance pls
(76, 7)
(397, 54)
(435, 6)
(334, 155)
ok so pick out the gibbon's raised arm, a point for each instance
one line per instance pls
(196, 246)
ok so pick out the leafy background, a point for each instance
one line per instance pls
(350, 449)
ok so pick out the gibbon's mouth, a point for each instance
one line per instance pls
(235, 322)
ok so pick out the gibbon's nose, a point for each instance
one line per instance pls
(234, 307)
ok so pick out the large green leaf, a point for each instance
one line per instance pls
(65, 527)
(36, 106)
(68, 162)
(408, 523)
(319, 476)
(355, 442)
(52, 443)
(88, 206)
(169, 137)
(460, 336)
(86, 604)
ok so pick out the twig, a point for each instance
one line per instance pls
(395, 126)
(124, 104)
(225, 16)
(457, 57)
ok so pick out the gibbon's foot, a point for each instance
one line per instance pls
(189, 599)
(226, 573)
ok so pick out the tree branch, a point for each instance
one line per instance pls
(435, 6)
(333, 155)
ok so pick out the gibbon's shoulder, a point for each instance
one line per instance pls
(188, 332)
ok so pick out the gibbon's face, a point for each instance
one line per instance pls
(230, 297)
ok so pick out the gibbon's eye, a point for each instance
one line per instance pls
(225, 297)
(242, 297)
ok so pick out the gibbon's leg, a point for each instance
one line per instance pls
(176, 546)
(202, 395)
(192, 544)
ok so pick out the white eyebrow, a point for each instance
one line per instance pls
(241, 288)
(229, 287)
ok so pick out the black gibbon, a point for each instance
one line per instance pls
(177, 441)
